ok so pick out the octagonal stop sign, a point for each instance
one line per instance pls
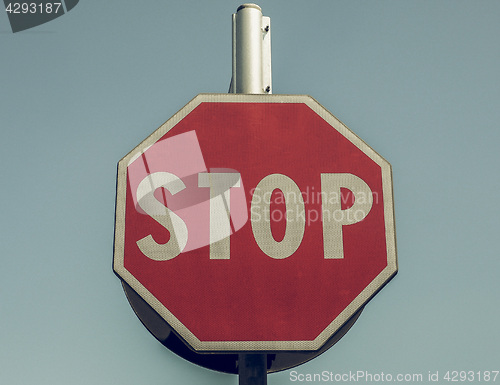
(254, 223)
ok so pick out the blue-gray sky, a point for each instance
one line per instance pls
(417, 80)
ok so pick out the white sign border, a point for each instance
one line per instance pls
(234, 346)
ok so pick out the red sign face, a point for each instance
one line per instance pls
(254, 222)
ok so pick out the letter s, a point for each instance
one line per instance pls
(163, 215)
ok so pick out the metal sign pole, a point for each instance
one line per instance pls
(251, 51)
(251, 75)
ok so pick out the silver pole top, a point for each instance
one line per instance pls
(249, 5)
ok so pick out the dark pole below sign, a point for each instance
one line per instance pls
(252, 369)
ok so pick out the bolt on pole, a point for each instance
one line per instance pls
(251, 75)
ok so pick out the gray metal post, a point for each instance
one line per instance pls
(251, 75)
(251, 51)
